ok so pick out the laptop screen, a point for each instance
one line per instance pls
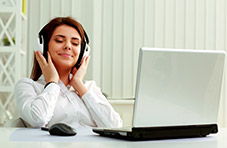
(177, 87)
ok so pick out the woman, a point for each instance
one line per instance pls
(56, 92)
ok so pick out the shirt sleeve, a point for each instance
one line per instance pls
(36, 108)
(100, 109)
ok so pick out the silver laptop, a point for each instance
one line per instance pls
(177, 94)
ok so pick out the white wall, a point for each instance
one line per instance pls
(118, 28)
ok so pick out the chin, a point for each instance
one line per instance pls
(66, 65)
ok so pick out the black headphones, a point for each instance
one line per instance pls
(85, 48)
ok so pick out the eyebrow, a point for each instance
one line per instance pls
(62, 36)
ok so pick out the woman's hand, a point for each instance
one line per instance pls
(77, 80)
(48, 69)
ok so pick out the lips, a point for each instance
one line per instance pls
(65, 54)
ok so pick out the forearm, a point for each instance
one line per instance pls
(36, 109)
(80, 88)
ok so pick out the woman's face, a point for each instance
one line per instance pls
(64, 46)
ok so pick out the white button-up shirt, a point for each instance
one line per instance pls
(60, 104)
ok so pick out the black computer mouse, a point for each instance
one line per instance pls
(61, 129)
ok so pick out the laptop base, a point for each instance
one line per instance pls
(156, 133)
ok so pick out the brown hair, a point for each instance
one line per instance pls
(47, 32)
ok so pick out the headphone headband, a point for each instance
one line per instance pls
(86, 37)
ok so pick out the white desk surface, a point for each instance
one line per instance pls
(35, 138)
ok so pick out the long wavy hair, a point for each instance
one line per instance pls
(47, 32)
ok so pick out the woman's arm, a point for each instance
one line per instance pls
(77, 79)
(100, 109)
(36, 108)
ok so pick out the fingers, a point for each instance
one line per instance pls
(48, 69)
(48, 55)
(74, 70)
(85, 61)
(40, 58)
(40, 55)
(49, 58)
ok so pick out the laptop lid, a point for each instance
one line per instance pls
(177, 87)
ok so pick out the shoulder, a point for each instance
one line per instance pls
(23, 85)
(27, 83)
(30, 81)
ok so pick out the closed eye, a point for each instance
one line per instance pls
(58, 41)
(75, 43)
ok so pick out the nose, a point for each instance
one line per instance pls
(68, 45)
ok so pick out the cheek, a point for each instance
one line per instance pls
(51, 47)
(76, 51)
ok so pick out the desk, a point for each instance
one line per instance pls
(6, 140)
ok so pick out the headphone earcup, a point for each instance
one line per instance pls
(87, 50)
(39, 45)
(82, 50)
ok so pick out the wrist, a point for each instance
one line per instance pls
(80, 88)
(48, 83)
(52, 80)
